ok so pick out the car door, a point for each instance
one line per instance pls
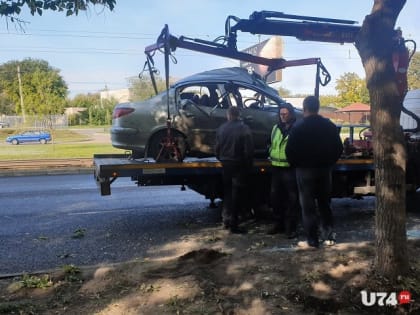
(260, 113)
(199, 116)
(27, 136)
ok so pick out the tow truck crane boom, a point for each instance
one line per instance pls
(222, 50)
(278, 23)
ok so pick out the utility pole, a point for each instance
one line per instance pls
(22, 106)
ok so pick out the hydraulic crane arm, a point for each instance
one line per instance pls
(169, 43)
(278, 23)
(217, 49)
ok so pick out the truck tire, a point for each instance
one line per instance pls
(412, 201)
(155, 150)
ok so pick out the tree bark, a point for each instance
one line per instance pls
(375, 45)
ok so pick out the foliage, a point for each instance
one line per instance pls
(413, 74)
(71, 273)
(351, 88)
(283, 92)
(141, 88)
(79, 233)
(43, 89)
(329, 100)
(12, 8)
(85, 100)
(36, 282)
(98, 111)
(6, 105)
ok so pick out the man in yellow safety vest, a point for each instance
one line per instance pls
(283, 193)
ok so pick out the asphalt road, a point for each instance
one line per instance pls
(50, 221)
(54, 220)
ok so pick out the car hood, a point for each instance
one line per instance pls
(235, 74)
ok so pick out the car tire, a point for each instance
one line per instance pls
(42, 141)
(155, 150)
(15, 142)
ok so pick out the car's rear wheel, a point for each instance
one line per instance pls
(15, 141)
(162, 150)
(43, 141)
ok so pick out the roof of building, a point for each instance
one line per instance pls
(355, 107)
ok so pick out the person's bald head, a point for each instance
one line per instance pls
(310, 105)
(233, 113)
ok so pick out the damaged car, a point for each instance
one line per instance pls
(197, 107)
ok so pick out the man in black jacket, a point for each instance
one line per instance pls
(235, 149)
(314, 146)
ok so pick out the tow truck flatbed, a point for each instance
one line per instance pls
(204, 174)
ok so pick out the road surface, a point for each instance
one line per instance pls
(50, 221)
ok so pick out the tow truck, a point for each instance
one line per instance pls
(353, 174)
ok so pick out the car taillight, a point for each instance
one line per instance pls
(122, 111)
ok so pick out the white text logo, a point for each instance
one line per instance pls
(384, 298)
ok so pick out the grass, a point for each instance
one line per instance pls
(54, 151)
(65, 144)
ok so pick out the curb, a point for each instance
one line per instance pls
(46, 171)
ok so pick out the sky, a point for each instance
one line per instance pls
(101, 49)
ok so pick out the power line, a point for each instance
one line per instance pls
(84, 51)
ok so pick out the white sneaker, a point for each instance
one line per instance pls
(305, 245)
(329, 242)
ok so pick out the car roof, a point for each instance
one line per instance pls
(236, 74)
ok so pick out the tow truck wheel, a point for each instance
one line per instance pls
(412, 201)
(161, 151)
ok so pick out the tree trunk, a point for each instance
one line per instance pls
(375, 45)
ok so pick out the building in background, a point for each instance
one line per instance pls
(295, 101)
(121, 95)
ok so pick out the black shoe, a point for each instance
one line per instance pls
(276, 229)
(291, 235)
(237, 230)
(226, 225)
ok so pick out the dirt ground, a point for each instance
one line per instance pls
(210, 271)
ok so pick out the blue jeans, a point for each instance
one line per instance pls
(314, 185)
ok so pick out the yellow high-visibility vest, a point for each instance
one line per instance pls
(278, 148)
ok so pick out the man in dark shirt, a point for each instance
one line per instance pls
(235, 149)
(314, 146)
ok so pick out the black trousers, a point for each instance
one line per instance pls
(235, 191)
(284, 197)
(314, 186)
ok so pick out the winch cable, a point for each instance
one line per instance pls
(150, 65)
(169, 146)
